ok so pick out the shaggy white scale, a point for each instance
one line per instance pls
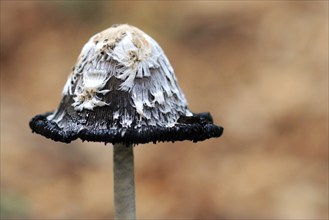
(136, 56)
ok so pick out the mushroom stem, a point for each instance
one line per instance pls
(124, 184)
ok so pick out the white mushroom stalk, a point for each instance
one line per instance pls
(124, 182)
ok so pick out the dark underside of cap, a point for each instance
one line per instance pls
(196, 128)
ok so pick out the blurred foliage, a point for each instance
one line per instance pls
(13, 205)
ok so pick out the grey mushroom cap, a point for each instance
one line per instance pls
(123, 90)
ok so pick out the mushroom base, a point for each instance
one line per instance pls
(196, 128)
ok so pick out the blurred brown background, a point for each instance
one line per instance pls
(261, 69)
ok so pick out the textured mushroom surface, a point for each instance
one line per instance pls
(123, 90)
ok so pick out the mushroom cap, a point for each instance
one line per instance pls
(123, 90)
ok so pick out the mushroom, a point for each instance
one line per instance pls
(123, 91)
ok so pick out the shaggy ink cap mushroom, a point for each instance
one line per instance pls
(123, 90)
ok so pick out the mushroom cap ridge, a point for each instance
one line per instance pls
(199, 130)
